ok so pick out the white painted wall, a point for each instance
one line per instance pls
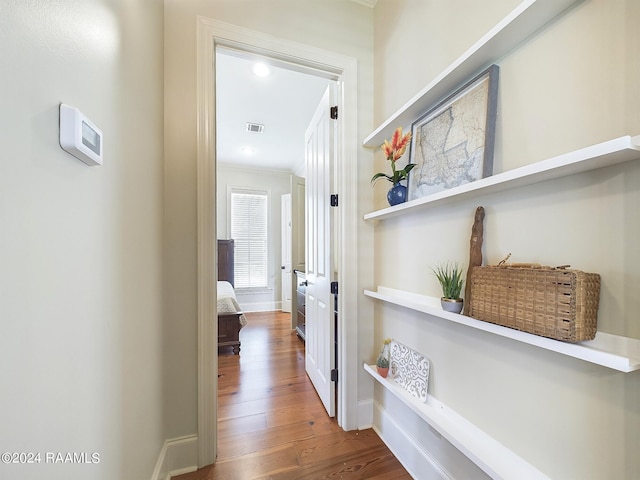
(572, 85)
(81, 247)
(335, 25)
(277, 183)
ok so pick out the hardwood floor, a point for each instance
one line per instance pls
(271, 423)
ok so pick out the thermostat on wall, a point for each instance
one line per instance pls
(79, 136)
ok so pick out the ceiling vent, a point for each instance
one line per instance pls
(254, 127)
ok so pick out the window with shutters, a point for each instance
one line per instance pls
(249, 223)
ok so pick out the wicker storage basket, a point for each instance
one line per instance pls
(555, 303)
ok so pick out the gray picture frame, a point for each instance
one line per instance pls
(453, 143)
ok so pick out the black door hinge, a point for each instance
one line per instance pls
(333, 112)
(334, 375)
(334, 288)
(334, 199)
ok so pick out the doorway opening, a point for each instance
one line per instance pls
(212, 34)
(289, 136)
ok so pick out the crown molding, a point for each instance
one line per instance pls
(366, 3)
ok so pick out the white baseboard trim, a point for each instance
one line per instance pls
(177, 456)
(365, 414)
(180, 471)
(409, 453)
(260, 306)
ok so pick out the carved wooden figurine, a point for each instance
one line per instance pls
(475, 254)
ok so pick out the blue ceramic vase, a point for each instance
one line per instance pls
(397, 194)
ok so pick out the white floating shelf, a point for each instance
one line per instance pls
(602, 155)
(529, 17)
(611, 351)
(488, 454)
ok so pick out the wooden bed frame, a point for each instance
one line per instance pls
(228, 323)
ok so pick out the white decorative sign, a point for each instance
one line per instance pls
(410, 370)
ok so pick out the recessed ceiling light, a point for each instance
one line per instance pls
(247, 150)
(261, 70)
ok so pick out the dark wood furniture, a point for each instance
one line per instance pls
(225, 261)
(301, 287)
(228, 323)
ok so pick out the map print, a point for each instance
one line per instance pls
(449, 145)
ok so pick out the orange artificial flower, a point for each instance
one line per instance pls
(393, 150)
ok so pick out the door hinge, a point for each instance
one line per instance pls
(334, 375)
(334, 288)
(334, 199)
(333, 111)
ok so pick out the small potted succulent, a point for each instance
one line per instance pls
(382, 364)
(451, 281)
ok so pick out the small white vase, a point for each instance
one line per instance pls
(451, 304)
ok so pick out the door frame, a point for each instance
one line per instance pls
(285, 250)
(211, 34)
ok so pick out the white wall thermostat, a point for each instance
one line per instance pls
(79, 136)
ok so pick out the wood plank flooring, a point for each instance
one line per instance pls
(271, 423)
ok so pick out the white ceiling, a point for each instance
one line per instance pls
(283, 102)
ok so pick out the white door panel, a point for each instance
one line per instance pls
(320, 347)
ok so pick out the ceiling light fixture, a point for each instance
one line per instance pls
(261, 70)
(247, 150)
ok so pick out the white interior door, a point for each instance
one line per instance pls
(320, 334)
(286, 252)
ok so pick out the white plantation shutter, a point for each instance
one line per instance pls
(249, 231)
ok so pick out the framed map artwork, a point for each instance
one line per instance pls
(453, 143)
